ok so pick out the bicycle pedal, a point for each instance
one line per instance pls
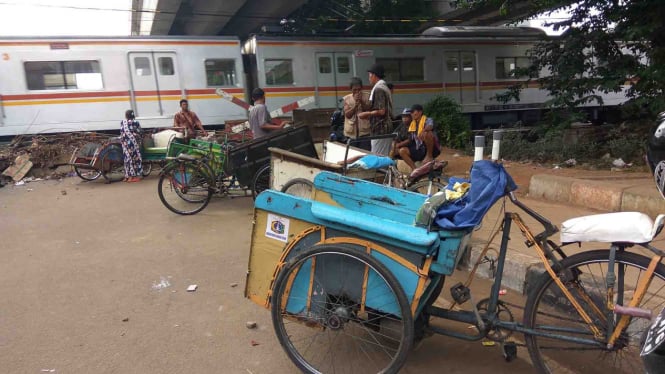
(460, 293)
(509, 350)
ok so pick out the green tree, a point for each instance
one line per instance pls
(607, 46)
(452, 126)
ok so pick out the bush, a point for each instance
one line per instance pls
(452, 125)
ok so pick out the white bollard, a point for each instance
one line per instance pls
(479, 143)
(496, 144)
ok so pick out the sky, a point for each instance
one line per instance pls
(48, 17)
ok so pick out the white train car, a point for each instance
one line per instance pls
(70, 84)
(469, 64)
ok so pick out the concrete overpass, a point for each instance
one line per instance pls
(242, 17)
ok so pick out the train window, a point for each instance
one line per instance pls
(166, 66)
(220, 72)
(142, 66)
(325, 65)
(452, 62)
(343, 65)
(505, 67)
(278, 71)
(467, 61)
(403, 69)
(63, 75)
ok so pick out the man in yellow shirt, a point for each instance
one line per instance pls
(422, 143)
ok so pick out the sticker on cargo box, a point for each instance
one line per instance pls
(277, 227)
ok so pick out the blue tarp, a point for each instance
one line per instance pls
(372, 162)
(489, 183)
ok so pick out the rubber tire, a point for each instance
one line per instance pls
(391, 280)
(147, 169)
(261, 181)
(107, 173)
(96, 175)
(424, 183)
(298, 182)
(543, 283)
(163, 176)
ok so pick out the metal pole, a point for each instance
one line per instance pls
(479, 143)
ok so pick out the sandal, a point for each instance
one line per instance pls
(133, 180)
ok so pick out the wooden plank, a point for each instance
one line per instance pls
(19, 168)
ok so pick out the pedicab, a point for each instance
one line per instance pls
(351, 275)
(93, 160)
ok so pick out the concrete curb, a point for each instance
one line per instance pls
(607, 195)
(519, 270)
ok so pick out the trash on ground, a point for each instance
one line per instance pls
(570, 162)
(488, 343)
(126, 319)
(192, 288)
(618, 163)
(63, 192)
(503, 292)
(251, 324)
(19, 168)
(234, 284)
(254, 343)
(163, 283)
(19, 183)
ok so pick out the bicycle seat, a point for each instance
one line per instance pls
(620, 227)
(186, 157)
(424, 169)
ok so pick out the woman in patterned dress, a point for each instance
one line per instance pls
(130, 137)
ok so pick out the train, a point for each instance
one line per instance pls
(62, 84)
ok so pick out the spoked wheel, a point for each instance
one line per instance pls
(299, 187)
(261, 181)
(87, 174)
(113, 164)
(147, 168)
(429, 187)
(185, 187)
(339, 310)
(548, 310)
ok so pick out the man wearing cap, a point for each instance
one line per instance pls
(259, 118)
(422, 143)
(381, 110)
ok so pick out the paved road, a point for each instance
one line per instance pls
(93, 279)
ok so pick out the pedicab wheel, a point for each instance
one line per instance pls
(147, 169)
(185, 187)
(547, 310)
(261, 181)
(337, 309)
(113, 165)
(87, 174)
(427, 187)
(299, 187)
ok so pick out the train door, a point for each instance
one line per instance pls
(333, 73)
(154, 77)
(460, 76)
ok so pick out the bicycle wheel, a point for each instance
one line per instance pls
(146, 168)
(113, 164)
(87, 174)
(428, 187)
(548, 310)
(185, 187)
(337, 309)
(261, 181)
(299, 187)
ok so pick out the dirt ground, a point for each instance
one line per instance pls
(93, 279)
(459, 164)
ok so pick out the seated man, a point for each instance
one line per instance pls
(422, 143)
